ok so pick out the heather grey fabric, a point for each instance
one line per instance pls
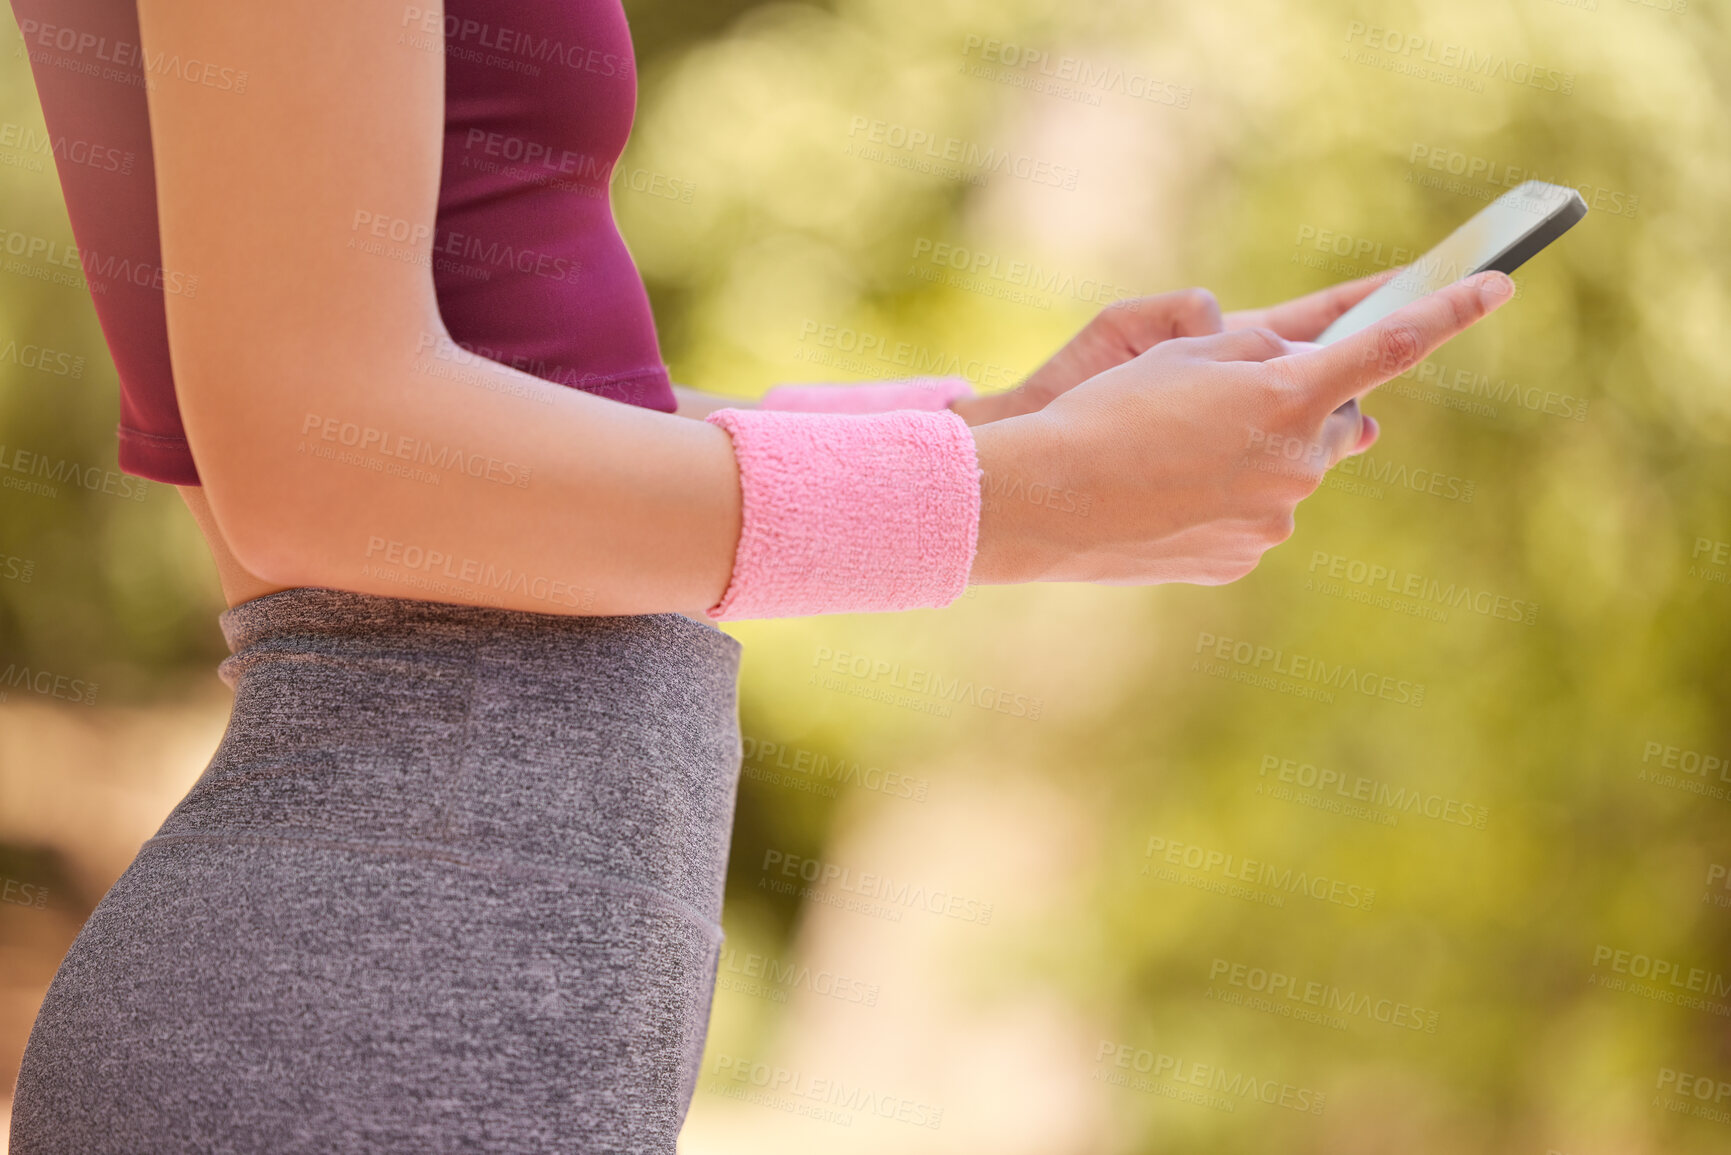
(450, 883)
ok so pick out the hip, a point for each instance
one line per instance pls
(598, 747)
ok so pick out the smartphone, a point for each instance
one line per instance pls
(1503, 236)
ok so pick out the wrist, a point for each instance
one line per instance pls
(1020, 539)
(849, 513)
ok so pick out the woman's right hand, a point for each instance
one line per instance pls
(1186, 463)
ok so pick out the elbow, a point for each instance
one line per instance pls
(285, 508)
(275, 556)
(269, 522)
(265, 537)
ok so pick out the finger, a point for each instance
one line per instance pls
(1237, 345)
(1353, 366)
(1143, 322)
(1341, 433)
(1303, 318)
(1367, 437)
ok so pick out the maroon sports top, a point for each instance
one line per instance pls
(528, 264)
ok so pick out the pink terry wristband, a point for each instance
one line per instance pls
(871, 397)
(848, 513)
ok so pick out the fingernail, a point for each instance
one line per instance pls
(1495, 288)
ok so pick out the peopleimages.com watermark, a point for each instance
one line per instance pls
(1204, 1084)
(767, 977)
(475, 366)
(442, 572)
(1660, 979)
(780, 764)
(1322, 1004)
(46, 684)
(46, 259)
(1415, 595)
(927, 151)
(826, 1099)
(862, 351)
(432, 29)
(389, 451)
(1691, 771)
(95, 55)
(1366, 474)
(1700, 1096)
(1718, 886)
(40, 475)
(1359, 796)
(1363, 474)
(589, 175)
(1254, 879)
(1002, 488)
(1007, 278)
(864, 891)
(1296, 674)
(20, 893)
(1478, 394)
(1342, 254)
(412, 242)
(24, 147)
(915, 688)
(1450, 170)
(1064, 76)
(1362, 252)
(42, 358)
(1710, 560)
(1447, 62)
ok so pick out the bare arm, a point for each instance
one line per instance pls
(697, 404)
(307, 321)
(974, 410)
(316, 322)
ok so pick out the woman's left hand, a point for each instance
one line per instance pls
(1128, 328)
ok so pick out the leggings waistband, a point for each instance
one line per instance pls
(603, 749)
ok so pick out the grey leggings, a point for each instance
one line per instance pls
(450, 883)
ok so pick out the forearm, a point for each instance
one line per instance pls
(974, 410)
(344, 441)
(696, 404)
(495, 488)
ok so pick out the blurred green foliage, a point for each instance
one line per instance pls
(1262, 149)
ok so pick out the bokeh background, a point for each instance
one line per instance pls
(1080, 869)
